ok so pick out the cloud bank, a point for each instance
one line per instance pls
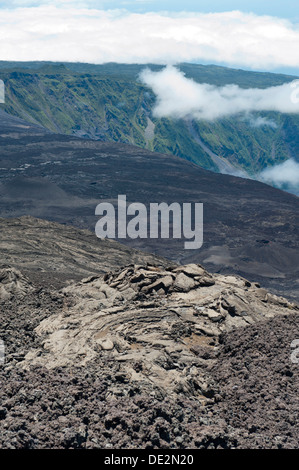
(70, 32)
(284, 175)
(179, 97)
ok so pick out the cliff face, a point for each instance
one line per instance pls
(110, 103)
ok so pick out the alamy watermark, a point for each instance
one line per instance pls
(2, 92)
(295, 353)
(183, 221)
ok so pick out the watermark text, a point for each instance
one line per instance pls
(182, 221)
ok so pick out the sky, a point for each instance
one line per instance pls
(256, 35)
(279, 8)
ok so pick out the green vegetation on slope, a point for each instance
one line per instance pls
(108, 102)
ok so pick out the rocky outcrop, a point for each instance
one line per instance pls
(13, 283)
(147, 357)
(162, 325)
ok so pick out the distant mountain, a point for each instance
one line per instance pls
(250, 228)
(109, 103)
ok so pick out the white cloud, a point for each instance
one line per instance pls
(74, 33)
(261, 121)
(178, 96)
(284, 175)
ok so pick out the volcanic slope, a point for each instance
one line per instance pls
(51, 253)
(249, 228)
